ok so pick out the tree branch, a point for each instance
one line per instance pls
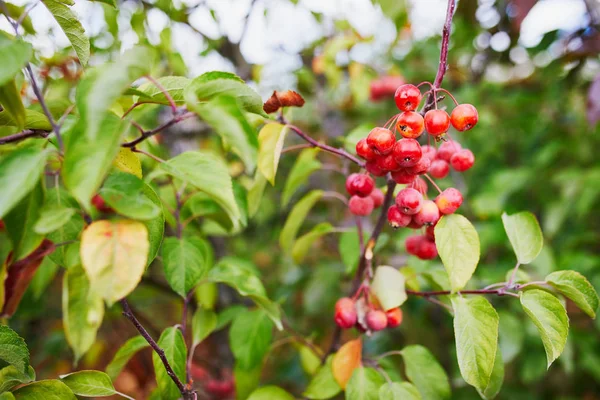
(146, 134)
(500, 292)
(187, 394)
(27, 133)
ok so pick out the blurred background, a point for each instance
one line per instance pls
(532, 69)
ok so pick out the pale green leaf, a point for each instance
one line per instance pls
(174, 85)
(250, 338)
(10, 99)
(550, 318)
(303, 243)
(52, 218)
(270, 393)
(270, 143)
(426, 373)
(458, 245)
(496, 379)
(476, 331)
(14, 55)
(296, 218)
(156, 226)
(524, 234)
(123, 193)
(71, 27)
(255, 193)
(83, 311)
(246, 380)
(305, 165)
(577, 288)
(225, 117)
(20, 170)
(124, 354)
(45, 390)
(388, 287)
(89, 383)
(399, 391)
(33, 120)
(364, 384)
(323, 385)
(173, 344)
(511, 335)
(10, 377)
(204, 323)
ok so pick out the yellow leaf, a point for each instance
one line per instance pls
(114, 255)
(346, 360)
(127, 161)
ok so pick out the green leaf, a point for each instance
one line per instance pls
(156, 226)
(476, 331)
(45, 390)
(124, 354)
(14, 55)
(250, 338)
(296, 218)
(550, 318)
(83, 311)
(88, 159)
(33, 120)
(213, 84)
(52, 218)
(388, 287)
(364, 384)
(7, 396)
(123, 193)
(511, 335)
(577, 288)
(10, 98)
(524, 234)
(89, 383)
(246, 380)
(20, 170)
(185, 262)
(458, 245)
(16, 13)
(70, 231)
(204, 323)
(20, 222)
(71, 27)
(323, 385)
(305, 165)
(399, 391)
(255, 193)
(173, 344)
(270, 393)
(229, 270)
(224, 115)
(426, 373)
(270, 144)
(207, 172)
(496, 379)
(10, 377)
(101, 87)
(303, 243)
(174, 85)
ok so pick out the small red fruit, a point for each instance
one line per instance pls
(410, 124)
(373, 168)
(409, 201)
(414, 224)
(381, 140)
(430, 232)
(100, 204)
(376, 320)
(407, 152)
(447, 149)
(449, 200)
(413, 244)
(429, 152)
(388, 163)
(407, 97)
(427, 250)
(402, 176)
(377, 196)
(385, 86)
(361, 206)
(439, 169)
(462, 160)
(421, 167)
(359, 184)
(464, 117)
(419, 185)
(364, 150)
(345, 313)
(394, 317)
(396, 218)
(429, 214)
(437, 122)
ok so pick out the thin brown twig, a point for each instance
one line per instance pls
(146, 134)
(27, 133)
(152, 156)
(164, 92)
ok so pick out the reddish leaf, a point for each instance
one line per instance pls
(346, 360)
(289, 98)
(593, 102)
(520, 9)
(20, 274)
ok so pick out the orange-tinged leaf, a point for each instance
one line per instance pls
(346, 360)
(114, 255)
(289, 98)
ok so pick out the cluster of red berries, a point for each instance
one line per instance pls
(365, 197)
(350, 313)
